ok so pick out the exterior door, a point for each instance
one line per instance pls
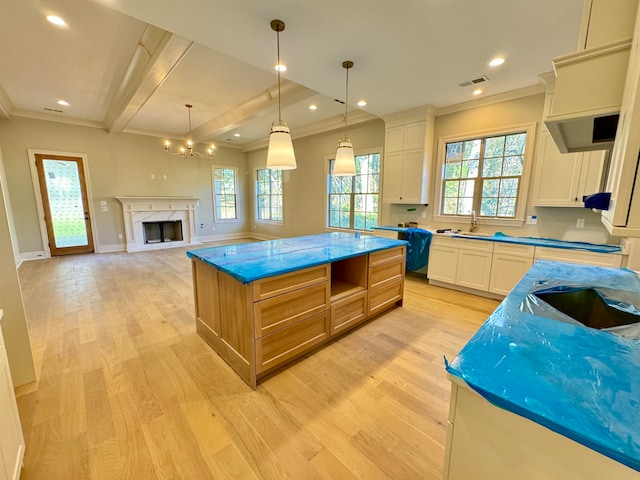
(66, 207)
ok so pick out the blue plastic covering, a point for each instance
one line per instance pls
(248, 262)
(580, 382)
(418, 249)
(544, 242)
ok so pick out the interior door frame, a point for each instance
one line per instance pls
(31, 152)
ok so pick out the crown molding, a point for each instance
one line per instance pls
(491, 99)
(57, 118)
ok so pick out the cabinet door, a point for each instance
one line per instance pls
(11, 439)
(557, 175)
(394, 139)
(392, 177)
(591, 174)
(474, 269)
(443, 263)
(506, 272)
(412, 165)
(414, 136)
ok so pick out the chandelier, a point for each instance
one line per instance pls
(187, 150)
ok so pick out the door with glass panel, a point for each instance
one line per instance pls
(66, 209)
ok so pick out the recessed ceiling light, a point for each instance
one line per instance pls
(477, 91)
(313, 106)
(64, 103)
(362, 103)
(56, 20)
(496, 61)
(281, 68)
(236, 134)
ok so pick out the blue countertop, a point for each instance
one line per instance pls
(533, 241)
(579, 382)
(248, 262)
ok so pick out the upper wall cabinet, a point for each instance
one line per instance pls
(603, 23)
(407, 165)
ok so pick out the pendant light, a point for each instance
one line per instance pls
(280, 155)
(187, 150)
(345, 163)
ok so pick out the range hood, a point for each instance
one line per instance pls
(588, 96)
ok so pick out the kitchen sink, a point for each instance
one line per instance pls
(588, 307)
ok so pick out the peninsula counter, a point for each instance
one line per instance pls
(260, 305)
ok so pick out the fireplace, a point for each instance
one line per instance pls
(160, 232)
(159, 222)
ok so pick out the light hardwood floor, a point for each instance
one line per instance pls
(127, 390)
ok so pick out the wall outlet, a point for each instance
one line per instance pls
(104, 208)
(580, 223)
(153, 177)
(532, 220)
(120, 236)
(213, 228)
(424, 214)
(202, 225)
(164, 177)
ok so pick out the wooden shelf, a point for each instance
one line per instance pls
(341, 289)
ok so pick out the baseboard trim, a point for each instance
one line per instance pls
(28, 256)
(113, 248)
(232, 236)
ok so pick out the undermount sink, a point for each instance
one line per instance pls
(589, 308)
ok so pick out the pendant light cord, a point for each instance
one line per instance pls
(278, 70)
(346, 106)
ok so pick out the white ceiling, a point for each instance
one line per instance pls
(127, 65)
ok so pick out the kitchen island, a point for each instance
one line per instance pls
(261, 305)
(534, 397)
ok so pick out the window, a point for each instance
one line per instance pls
(224, 189)
(353, 201)
(484, 174)
(269, 195)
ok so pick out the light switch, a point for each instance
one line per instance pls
(104, 208)
(103, 202)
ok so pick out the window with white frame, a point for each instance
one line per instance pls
(353, 201)
(225, 193)
(269, 195)
(485, 174)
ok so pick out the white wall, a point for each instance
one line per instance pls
(14, 323)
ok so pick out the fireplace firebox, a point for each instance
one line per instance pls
(164, 231)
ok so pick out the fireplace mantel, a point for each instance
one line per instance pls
(136, 210)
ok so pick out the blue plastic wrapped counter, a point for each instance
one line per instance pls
(580, 382)
(248, 262)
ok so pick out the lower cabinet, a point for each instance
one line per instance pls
(496, 267)
(11, 438)
(509, 264)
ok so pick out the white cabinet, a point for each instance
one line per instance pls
(510, 262)
(11, 438)
(614, 260)
(602, 24)
(562, 179)
(405, 167)
(462, 262)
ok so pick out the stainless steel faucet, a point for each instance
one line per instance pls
(474, 223)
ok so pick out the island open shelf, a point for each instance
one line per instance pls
(261, 305)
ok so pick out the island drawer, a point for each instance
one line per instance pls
(386, 272)
(279, 347)
(348, 312)
(272, 286)
(283, 310)
(385, 296)
(383, 256)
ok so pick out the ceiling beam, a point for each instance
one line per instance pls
(255, 107)
(158, 52)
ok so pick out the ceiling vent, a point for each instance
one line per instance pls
(52, 110)
(475, 81)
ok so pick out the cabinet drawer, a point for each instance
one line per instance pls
(513, 249)
(385, 296)
(579, 256)
(281, 346)
(383, 256)
(272, 286)
(477, 245)
(278, 312)
(386, 272)
(348, 312)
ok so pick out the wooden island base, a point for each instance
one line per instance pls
(260, 326)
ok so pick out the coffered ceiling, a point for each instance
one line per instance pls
(132, 65)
